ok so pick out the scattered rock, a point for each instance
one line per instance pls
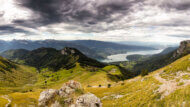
(68, 88)
(46, 96)
(56, 104)
(113, 71)
(68, 101)
(118, 96)
(88, 100)
(68, 51)
(188, 69)
(105, 97)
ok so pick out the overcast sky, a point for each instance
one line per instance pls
(109, 20)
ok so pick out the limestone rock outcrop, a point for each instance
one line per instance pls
(69, 87)
(51, 97)
(87, 100)
(46, 96)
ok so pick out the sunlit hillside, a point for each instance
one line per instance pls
(27, 94)
(168, 86)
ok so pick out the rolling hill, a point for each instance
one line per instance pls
(51, 58)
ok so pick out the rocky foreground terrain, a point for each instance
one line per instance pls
(67, 96)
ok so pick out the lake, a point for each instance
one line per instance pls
(122, 57)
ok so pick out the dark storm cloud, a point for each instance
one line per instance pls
(78, 12)
(176, 4)
(8, 29)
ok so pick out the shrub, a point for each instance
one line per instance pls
(109, 85)
(144, 73)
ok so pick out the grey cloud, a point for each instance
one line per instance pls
(83, 13)
(180, 5)
(96, 15)
(180, 36)
(176, 4)
(9, 29)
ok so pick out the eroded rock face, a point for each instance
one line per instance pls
(69, 87)
(87, 100)
(46, 96)
(184, 48)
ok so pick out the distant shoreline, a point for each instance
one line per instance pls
(122, 57)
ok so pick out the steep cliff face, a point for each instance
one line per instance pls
(183, 49)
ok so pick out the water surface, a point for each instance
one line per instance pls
(122, 57)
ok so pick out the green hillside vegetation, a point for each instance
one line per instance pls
(51, 58)
(46, 79)
(138, 91)
(15, 76)
(137, 57)
(182, 65)
(15, 54)
(5, 65)
(142, 91)
(160, 60)
(114, 85)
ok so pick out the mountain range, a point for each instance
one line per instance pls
(91, 48)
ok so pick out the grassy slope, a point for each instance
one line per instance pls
(139, 91)
(12, 75)
(3, 102)
(30, 94)
(14, 78)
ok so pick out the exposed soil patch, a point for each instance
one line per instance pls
(169, 86)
